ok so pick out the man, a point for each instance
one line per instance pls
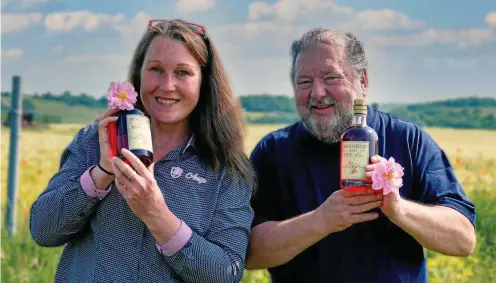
(306, 229)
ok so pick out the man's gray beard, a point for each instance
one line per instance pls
(328, 129)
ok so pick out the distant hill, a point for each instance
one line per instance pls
(470, 112)
(462, 113)
(267, 103)
(67, 108)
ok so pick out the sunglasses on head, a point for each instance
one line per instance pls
(198, 29)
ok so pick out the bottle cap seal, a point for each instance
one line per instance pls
(360, 106)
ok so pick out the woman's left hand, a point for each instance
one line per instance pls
(138, 186)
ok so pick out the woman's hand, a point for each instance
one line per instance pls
(137, 185)
(103, 137)
(139, 188)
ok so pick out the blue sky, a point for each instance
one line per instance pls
(418, 50)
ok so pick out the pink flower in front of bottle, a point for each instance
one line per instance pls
(387, 176)
(121, 96)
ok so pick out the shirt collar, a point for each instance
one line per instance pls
(191, 143)
(371, 115)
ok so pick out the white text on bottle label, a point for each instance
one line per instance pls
(355, 156)
(139, 133)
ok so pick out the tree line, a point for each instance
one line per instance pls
(251, 103)
(469, 112)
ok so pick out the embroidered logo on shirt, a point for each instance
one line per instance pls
(196, 178)
(176, 172)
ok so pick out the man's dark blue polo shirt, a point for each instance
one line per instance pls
(297, 172)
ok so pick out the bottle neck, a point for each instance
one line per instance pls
(360, 119)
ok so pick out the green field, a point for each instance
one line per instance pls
(470, 151)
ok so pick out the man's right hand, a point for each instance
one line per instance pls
(343, 209)
(273, 243)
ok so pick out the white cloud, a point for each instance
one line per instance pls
(132, 30)
(289, 10)
(386, 19)
(114, 65)
(325, 11)
(263, 42)
(491, 19)
(16, 22)
(272, 27)
(256, 52)
(257, 10)
(189, 6)
(12, 53)
(68, 21)
(462, 38)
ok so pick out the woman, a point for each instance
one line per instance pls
(187, 217)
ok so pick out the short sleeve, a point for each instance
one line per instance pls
(264, 201)
(441, 187)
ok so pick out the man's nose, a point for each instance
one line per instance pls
(168, 83)
(318, 90)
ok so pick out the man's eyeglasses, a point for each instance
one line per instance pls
(198, 29)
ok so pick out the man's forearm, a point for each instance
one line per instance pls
(437, 228)
(274, 243)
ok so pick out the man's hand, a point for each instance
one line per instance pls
(273, 243)
(343, 209)
(438, 228)
(392, 202)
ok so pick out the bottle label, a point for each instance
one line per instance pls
(138, 132)
(355, 156)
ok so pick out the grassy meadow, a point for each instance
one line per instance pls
(470, 151)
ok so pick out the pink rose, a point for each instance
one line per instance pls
(387, 176)
(121, 96)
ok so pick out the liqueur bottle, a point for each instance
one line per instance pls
(359, 143)
(133, 132)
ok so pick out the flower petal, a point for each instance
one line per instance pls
(387, 188)
(377, 185)
(114, 95)
(378, 175)
(397, 182)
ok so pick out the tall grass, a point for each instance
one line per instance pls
(24, 261)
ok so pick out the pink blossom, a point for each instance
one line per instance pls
(121, 96)
(387, 176)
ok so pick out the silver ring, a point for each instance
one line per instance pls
(130, 175)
